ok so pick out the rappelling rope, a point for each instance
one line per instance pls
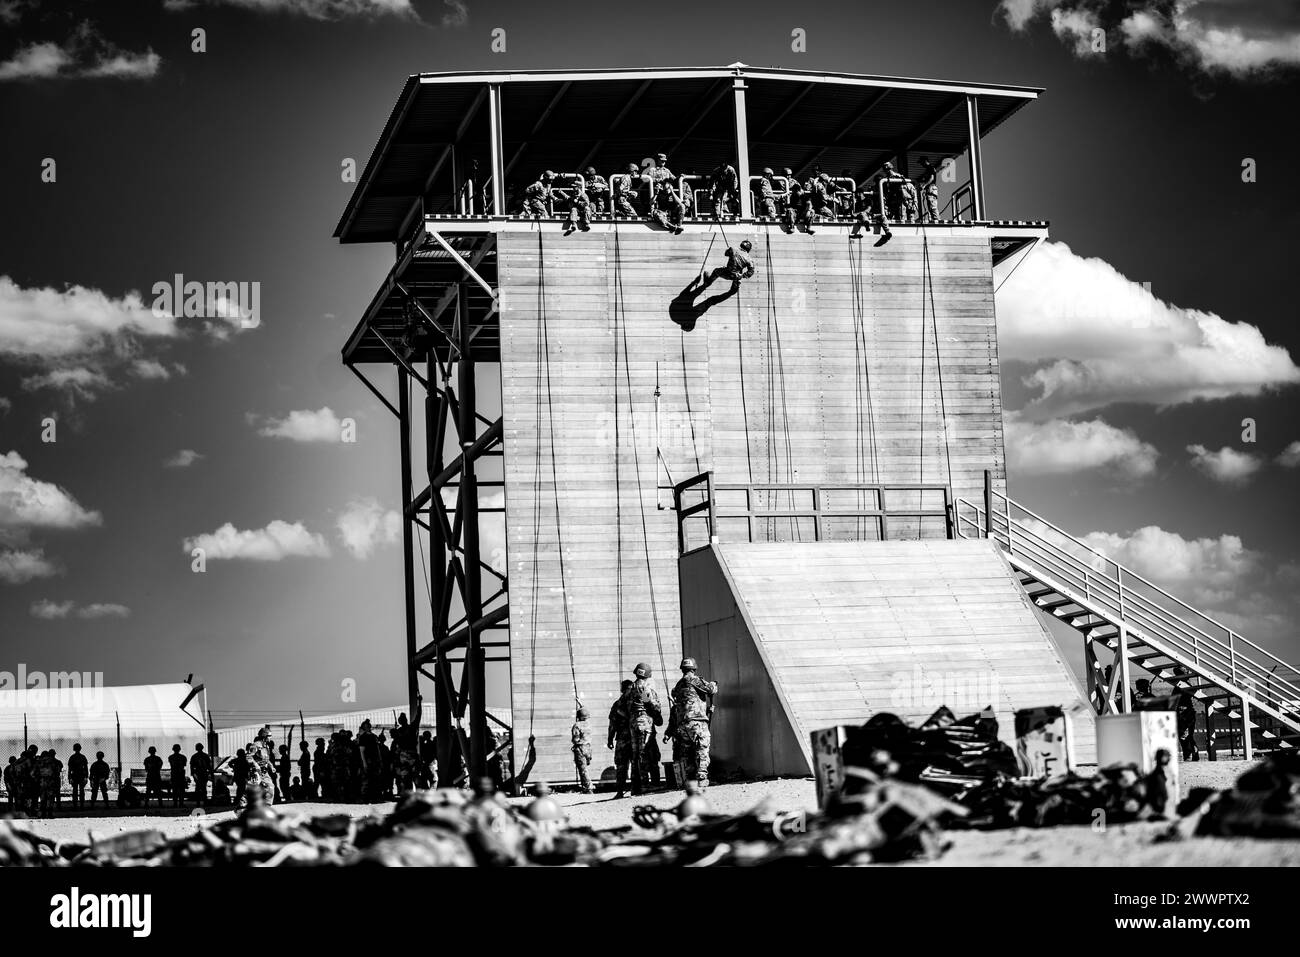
(776, 354)
(620, 338)
(544, 373)
(864, 410)
(927, 289)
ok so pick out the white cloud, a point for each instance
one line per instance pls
(1205, 571)
(5, 405)
(320, 425)
(1097, 338)
(1060, 447)
(50, 610)
(1241, 38)
(1290, 456)
(183, 459)
(82, 341)
(277, 541)
(50, 323)
(103, 610)
(1227, 465)
(364, 526)
(27, 503)
(456, 15)
(84, 54)
(18, 566)
(315, 9)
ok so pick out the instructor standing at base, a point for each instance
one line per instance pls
(692, 710)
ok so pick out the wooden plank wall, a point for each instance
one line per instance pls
(769, 385)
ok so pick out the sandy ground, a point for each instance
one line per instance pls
(1124, 845)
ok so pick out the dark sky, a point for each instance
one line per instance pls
(225, 165)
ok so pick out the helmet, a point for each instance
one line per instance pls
(582, 714)
(746, 245)
(365, 725)
(889, 166)
(642, 670)
(787, 171)
(632, 168)
(589, 172)
(548, 175)
(767, 171)
(661, 157)
(688, 664)
(825, 176)
(625, 684)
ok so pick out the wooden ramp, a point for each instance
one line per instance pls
(802, 636)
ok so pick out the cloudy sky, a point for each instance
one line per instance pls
(1135, 344)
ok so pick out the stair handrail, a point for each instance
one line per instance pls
(1122, 572)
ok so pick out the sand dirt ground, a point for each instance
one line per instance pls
(1123, 845)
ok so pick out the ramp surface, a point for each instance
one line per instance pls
(802, 636)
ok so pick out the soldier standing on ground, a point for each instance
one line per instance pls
(49, 773)
(178, 764)
(284, 769)
(406, 749)
(304, 767)
(643, 714)
(371, 771)
(320, 768)
(619, 739)
(428, 751)
(153, 776)
(693, 710)
(99, 778)
(581, 745)
(11, 780)
(200, 771)
(78, 770)
(240, 769)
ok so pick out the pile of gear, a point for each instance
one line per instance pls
(873, 820)
(1265, 802)
(965, 760)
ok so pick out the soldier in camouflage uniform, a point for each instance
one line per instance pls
(767, 196)
(537, 197)
(619, 739)
(724, 189)
(261, 777)
(692, 711)
(911, 205)
(798, 204)
(930, 190)
(49, 774)
(894, 208)
(78, 770)
(668, 209)
(661, 173)
(641, 704)
(340, 761)
(597, 190)
(406, 748)
(624, 190)
(581, 744)
(822, 194)
(579, 209)
(153, 776)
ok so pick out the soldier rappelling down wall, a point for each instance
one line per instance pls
(688, 725)
(739, 267)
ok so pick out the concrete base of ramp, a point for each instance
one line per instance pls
(802, 636)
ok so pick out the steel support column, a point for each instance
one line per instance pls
(976, 158)
(497, 148)
(742, 149)
(408, 535)
(445, 743)
(473, 598)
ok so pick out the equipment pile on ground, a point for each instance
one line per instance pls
(875, 820)
(1265, 802)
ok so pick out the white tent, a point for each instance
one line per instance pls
(122, 722)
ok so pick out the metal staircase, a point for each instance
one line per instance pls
(1136, 624)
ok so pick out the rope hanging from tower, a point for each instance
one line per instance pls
(927, 293)
(543, 360)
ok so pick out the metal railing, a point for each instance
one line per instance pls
(757, 506)
(1149, 613)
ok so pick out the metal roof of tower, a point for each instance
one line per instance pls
(567, 120)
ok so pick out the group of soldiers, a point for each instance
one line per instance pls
(655, 195)
(34, 779)
(634, 719)
(365, 767)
